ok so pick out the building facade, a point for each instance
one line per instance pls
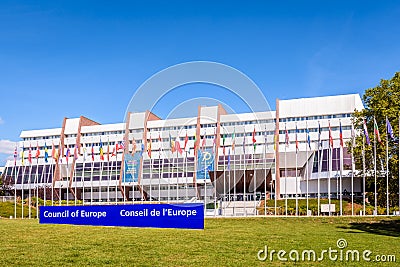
(297, 150)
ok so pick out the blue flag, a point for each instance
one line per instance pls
(389, 129)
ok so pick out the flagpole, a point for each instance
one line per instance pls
(375, 194)
(307, 147)
(341, 170)
(15, 181)
(297, 197)
(22, 189)
(364, 174)
(215, 175)
(286, 201)
(319, 178)
(387, 168)
(330, 168)
(265, 170)
(353, 142)
(399, 169)
(159, 173)
(223, 150)
(234, 172)
(29, 185)
(175, 168)
(244, 171)
(116, 171)
(37, 187)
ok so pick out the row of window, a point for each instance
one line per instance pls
(320, 117)
(101, 133)
(37, 138)
(238, 123)
(315, 130)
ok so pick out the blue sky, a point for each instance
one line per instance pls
(70, 58)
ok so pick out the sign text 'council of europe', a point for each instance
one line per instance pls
(187, 216)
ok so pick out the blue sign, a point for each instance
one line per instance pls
(205, 163)
(187, 216)
(131, 168)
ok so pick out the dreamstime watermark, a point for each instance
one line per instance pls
(338, 253)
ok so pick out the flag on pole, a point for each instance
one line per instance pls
(84, 152)
(340, 134)
(59, 156)
(76, 153)
(178, 146)
(30, 154)
(92, 152)
(286, 137)
(244, 143)
(389, 129)
(171, 143)
(308, 139)
(101, 150)
(149, 147)
(319, 136)
(46, 153)
(366, 132)
(223, 144)
(134, 146)
(330, 135)
(203, 143)
(37, 151)
(15, 155)
(233, 140)
(297, 141)
(67, 154)
(229, 159)
(121, 145)
(376, 131)
(108, 150)
(22, 155)
(195, 146)
(275, 140)
(186, 141)
(254, 138)
(142, 148)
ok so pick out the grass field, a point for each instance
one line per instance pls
(224, 242)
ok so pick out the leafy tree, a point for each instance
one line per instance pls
(381, 102)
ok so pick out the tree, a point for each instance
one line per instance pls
(381, 102)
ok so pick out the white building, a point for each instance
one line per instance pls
(235, 155)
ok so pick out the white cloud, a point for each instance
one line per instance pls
(1, 121)
(7, 147)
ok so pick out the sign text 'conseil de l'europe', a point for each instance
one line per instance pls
(189, 216)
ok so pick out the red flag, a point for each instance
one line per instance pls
(178, 146)
(340, 134)
(30, 154)
(186, 141)
(37, 151)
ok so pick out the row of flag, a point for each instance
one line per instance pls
(389, 130)
(57, 154)
(175, 145)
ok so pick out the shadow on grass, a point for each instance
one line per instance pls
(384, 227)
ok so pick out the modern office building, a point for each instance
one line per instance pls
(215, 156)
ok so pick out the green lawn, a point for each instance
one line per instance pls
(224, 242)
